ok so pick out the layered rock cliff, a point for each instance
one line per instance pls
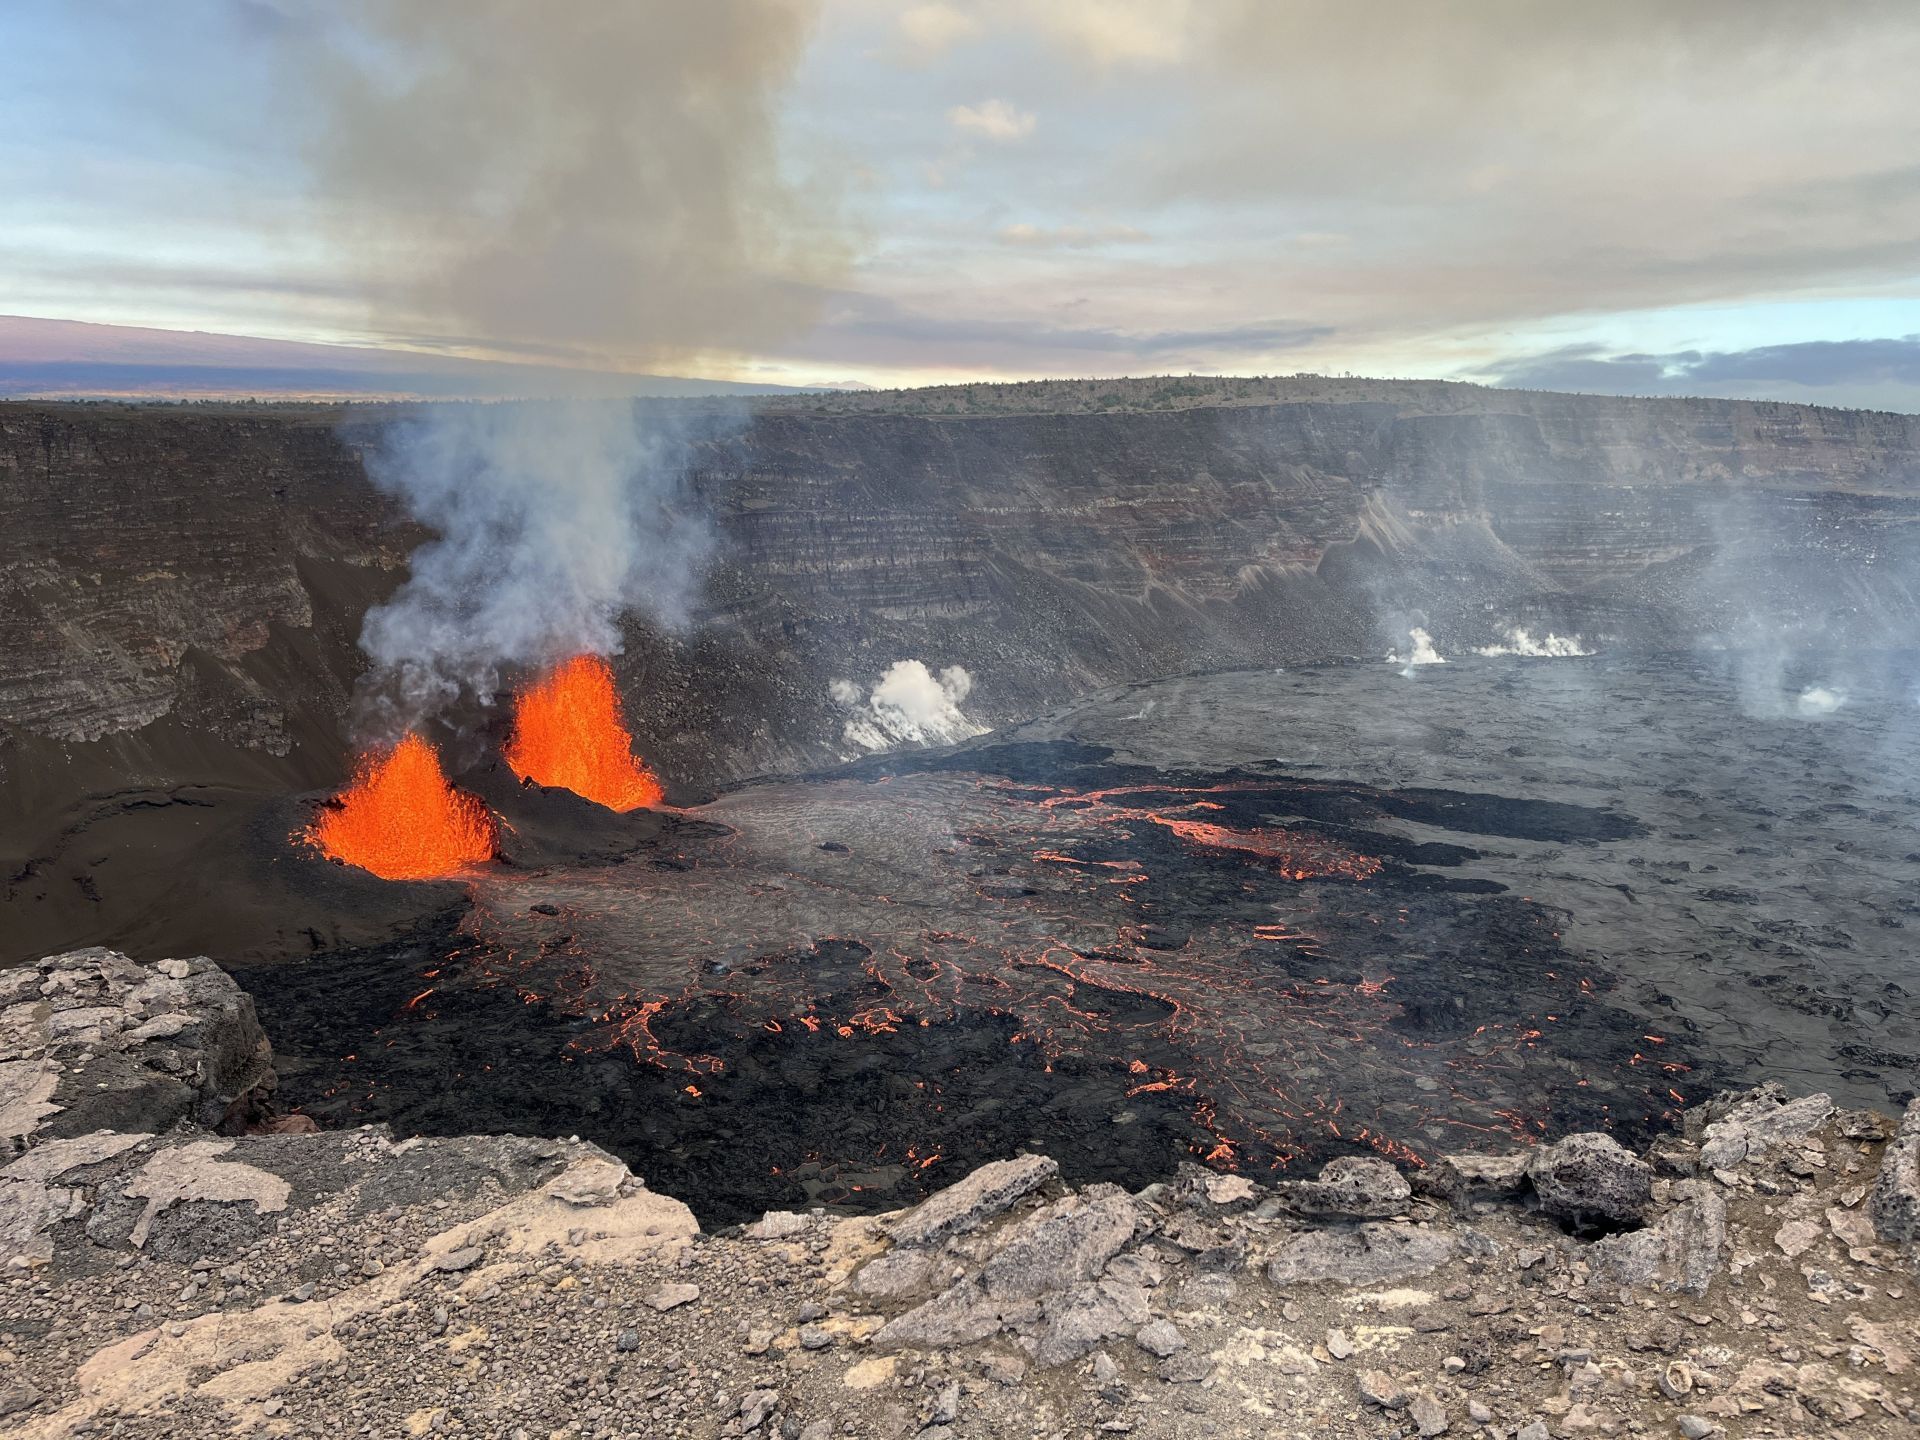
(181, 587)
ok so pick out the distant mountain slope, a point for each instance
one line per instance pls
(73, 359)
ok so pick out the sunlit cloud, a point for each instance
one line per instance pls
(999, 120)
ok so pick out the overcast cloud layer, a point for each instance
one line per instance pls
(1709, 198)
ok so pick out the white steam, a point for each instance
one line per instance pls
(909, 706)
(1520, 642)
(1819, 700)
(551, 519)
(1420, 651)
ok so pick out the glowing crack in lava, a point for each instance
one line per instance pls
(401, 820)
(568, 732)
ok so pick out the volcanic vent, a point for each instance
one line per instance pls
(569, 732)
(401, 820)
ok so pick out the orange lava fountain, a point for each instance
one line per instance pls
(568, 732)
(401, 820)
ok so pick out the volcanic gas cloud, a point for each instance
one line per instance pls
(568, 731)
(401, 820)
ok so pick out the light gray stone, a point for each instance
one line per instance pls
(1159, 1338)
(970, 1203)
(1068, 1242)
(1363, 1255)
(1894, 1205)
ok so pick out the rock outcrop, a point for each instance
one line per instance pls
(191, 1284)
(90, 1040)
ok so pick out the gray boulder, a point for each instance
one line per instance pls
(1362, 1255)
(1590, 1177)
(1069, 1241)
(1746, 1125)
(1682, 1252)
(1894, 1205)
(969, 1204)
(1359, 1187)
(91, 1040)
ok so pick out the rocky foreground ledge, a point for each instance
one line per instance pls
(179, 1263)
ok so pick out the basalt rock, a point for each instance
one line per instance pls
(1744, 1126)
(972, 1202)
(1356, 1187)
(1895, 1202)
(1682, 1251)
(1362, 1255)
(1591, 1177)
(90, 1040)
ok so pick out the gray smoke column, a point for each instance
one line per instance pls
(596, 186)
(552, 518)
(599, 182)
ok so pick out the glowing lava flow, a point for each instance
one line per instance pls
(401, 820)
(568, 732)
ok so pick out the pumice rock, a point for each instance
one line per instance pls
(1591, 1177)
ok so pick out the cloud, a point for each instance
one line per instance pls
(927, 32)
(1857, 368)
(870, 330)
(612, 185)
(997, 120)
(1070, 237)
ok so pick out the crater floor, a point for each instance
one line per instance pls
(1254, 919)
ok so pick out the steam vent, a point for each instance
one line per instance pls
(757, 721)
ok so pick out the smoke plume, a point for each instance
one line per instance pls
(600, 183)
(596, 186)
(551, 519)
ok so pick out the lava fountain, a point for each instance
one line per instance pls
(401, 820)
(568, 732)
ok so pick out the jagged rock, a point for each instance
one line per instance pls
(1744, 1126)
(1378, 1387)
(1428, 1414)
(1894, 1204)
(1362, 1255)
(1468, 1176)
(971, 1202)
(1082, 1318)
(1004, 1369)
(590, 1182)
(1358, 1186)
(1159, 1338)
(778, 1225)
(958, 1315)
(756, 1406)
(1591, 1176)
(896, 1273)
(1067, 1242)
(1682, 1251)
(91, 1040)
(673, 1296)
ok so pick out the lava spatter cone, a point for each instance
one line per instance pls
(568, 732)
(401, 820)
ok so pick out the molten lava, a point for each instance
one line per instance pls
(401, 820)
(568, 732)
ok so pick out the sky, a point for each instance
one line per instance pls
(1643, 198)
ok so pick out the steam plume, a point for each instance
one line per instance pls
(600, 186)
(552, 518)
(909, 706)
